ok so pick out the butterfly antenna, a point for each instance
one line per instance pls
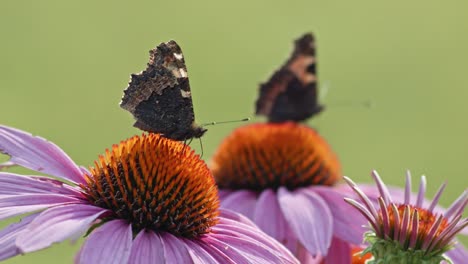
(224, 122)
(185, 146)
(366, 104)
(323, 90)
(201, 147)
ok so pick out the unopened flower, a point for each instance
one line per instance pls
(147, 200)
(410, 231)
(281, 175)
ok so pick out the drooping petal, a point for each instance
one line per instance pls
(215, 252)
(347, 221)
(310, 219)
(174, 249)
(241, 201)
(109, 243)
(226, 214)
(8, 237)
(13, 205)
(270, 219)
(16, 184)
(58, 224)
(251, 233)
(38, 154)
(458, 254)
(147, 248)
(305, 257)
(339, 252)
(200, 255)
(248, 250)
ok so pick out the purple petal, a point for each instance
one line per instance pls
(16, 184)
(147, 248)
(109, 243)
(408, 188)
(21, 204)
(421, 192)
(384, 192)
(58, 224)
(214, 252)
(241, 201)
(458, 254)
(247, 250)
(269, 217)
(38, 154)
(310, 219)
(340, 252)
(237, 217)
(200, 255)
(436, 198)
(8, 237)
(347, 221)
(252, 233)
(174, 249)
(305, 257)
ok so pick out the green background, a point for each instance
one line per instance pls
(64, 64)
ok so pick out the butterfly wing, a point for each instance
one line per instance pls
(291, 93)
(159, 97)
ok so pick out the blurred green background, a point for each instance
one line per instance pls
(64, 64)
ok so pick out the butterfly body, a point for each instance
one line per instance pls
(159, 98)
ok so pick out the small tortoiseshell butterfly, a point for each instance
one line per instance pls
(159, 97)
(291, 93)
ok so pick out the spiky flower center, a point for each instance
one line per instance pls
(155, 183)
(426, 221)
(272, 155)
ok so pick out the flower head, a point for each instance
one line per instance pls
(147, 200)
(409, 231)
(281, 175)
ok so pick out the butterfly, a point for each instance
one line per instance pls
(291, 93)
(159, 98)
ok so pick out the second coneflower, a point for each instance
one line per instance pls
(281, 175)
(410, 231)
(147, 200)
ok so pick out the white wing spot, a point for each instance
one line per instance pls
(185, 94)
(178, 56)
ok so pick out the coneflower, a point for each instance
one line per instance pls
(147, 200)
(410, 231)
(281, 175)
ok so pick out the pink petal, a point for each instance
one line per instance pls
(38, 154)
(147, 248)
(234, 229)
(347, 221)
(241, 201)
(310, 219)
(237, 217)
(15, 184)
(459, 254)
(109, 243)
(215, 252)
(8, 237)
(56, 225)
(269, 217)
(245, 250)
(339, 252)
(305, 257)
(200, 255)
(21, 204)
(174, 249)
